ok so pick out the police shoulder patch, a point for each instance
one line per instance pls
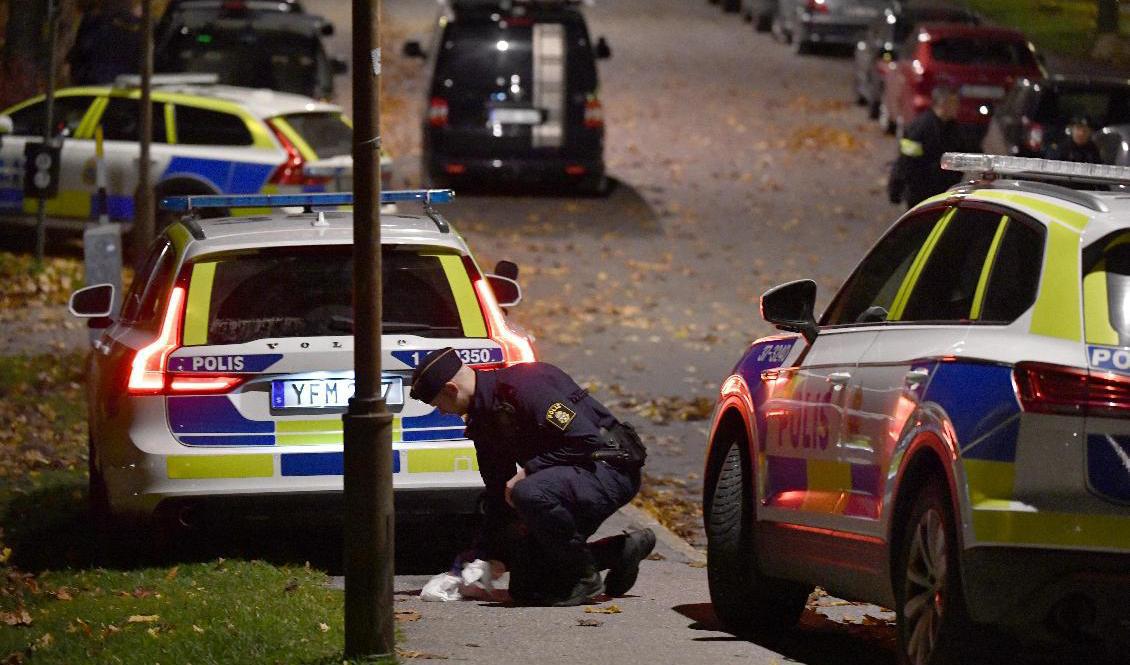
(560, 416)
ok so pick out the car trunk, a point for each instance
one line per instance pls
(982, 69)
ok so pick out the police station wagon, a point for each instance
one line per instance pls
(226, 374)
(952, 440)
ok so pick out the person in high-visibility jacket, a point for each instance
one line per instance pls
(917, 173)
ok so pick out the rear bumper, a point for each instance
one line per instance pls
(1051, 596)
(831, 30)
(505, 170)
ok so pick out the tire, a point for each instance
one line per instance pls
(929, 604)
(747, 602)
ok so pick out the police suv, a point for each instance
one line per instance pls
(952, 439)
(225, 376)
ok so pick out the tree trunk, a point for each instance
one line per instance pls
(1108, 17)
(23, 59)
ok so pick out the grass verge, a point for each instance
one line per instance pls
(1066, 27)
(59, 604)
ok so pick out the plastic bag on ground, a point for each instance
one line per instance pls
(442, 588)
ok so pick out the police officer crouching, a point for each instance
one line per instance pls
(556, 464)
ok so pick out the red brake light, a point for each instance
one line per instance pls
(817, 6)
(147, 371)
(1056, 389)
(515, 348)
(594, 113)
(290, 172)
(197, 385)
(437, 112)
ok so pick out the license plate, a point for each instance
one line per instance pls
(982, 91)
(515, 117)
(328, 393)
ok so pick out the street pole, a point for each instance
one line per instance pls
(367, 424)
(48, 125)
(143, 225)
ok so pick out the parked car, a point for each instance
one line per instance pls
(805, 23)
(513, 96)
(224, 378)
(981, 62)
(885, 36)
(950, 440)
(207, 139)
(1114, 144)
(1032, 120)
(247, 45)
(759, 12)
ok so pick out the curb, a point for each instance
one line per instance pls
(663, 534)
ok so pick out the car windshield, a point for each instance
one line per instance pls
(326, 133)
(280, 61)
(982, 52)
(308, 292)
(1110, 106)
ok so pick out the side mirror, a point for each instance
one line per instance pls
(789, 307)
(603, 50)
(95, 303)
(339, 66)
(506, 291)
(6, 126)
(327, 29)
(507, 269)
(412, 49)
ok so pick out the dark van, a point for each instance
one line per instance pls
(513, 96)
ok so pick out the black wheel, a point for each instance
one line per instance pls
(745, 600)
(932, 617)
(98, 498)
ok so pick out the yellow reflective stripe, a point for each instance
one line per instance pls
(1055, 529)
(199, 303)
(68, 203)
(987, 269)
(219, 466)
(315, 439)
(294, 137)
(170, 124)
(911, 148)
(441, 460)
(85, 128)
(988, 480)
(308, 426)
(180, 237)
(1058, 213)
(1096, 309)
(915, 270)
(1057, 310)
(828, 475)
(465, 300)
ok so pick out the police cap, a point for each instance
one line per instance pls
(434, 370)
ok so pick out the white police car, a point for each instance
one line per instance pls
(953, 438)
(225, 376)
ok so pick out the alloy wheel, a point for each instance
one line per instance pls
(925, 586)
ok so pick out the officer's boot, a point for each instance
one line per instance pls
(623, 572)
(585, 578)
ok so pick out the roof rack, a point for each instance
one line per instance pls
(427, 197)
(134, 80)
(993, 166)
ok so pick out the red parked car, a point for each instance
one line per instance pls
(981, 62)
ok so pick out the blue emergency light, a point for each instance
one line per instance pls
(308, 201)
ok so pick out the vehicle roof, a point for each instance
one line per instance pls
(942, 30)
(298, 230)
(260, 102)
(485, 9)
(214, 19)
(1107, 211)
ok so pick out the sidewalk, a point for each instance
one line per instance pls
(667, 618)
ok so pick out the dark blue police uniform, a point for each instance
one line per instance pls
(534, 415)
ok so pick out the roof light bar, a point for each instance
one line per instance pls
(187, 203)
(1044, 169)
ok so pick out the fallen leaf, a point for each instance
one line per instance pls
(172, 573)
(197, 629)
(44, 642)
(291, 586)
(611, 609)
(589, 623)
(325, 628)
(154, 631)
(697, 564)
(406, 615)
(63, 594)
(143, 618)
(404, 653)
(18, 618)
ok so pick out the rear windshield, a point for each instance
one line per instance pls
(326, 133)
(279, 61)
(1106, 290)
(240, 297)
(981, 52)
(1105, 107)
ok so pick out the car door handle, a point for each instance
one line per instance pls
(839, 378)
(916, 376)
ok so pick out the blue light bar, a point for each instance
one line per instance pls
(187, 203)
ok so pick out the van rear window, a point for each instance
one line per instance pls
(981, 52)
(241, 297)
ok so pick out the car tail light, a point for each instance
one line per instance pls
(437, 112)
(1056, 389)
(149, 369)
(575, 169)
(594, 113)
(817, 6)
(515, 348)
(455, 169)
(291, 172)
(1033, 135)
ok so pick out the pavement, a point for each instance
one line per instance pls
(666, 618)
